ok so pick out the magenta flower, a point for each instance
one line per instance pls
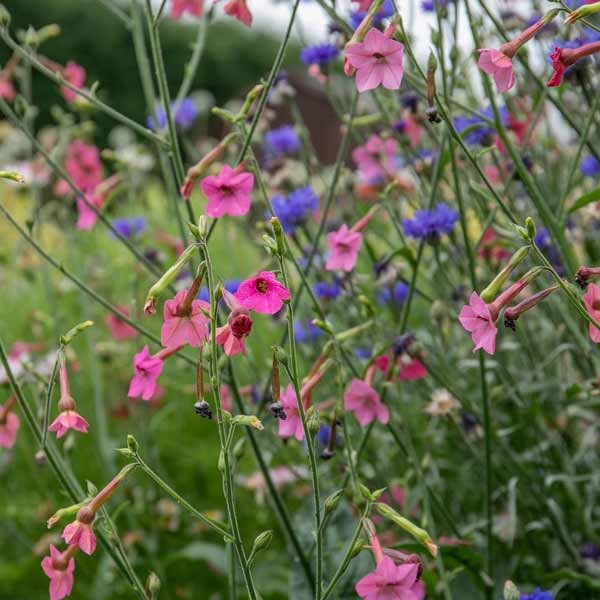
(82, 163)
(291, 426)
(477, 319)
(239, 10)
(239, 325)
(80, 532)
(377, 60)
(499, 66)
(391, 582)
(59, 568)
(412, 370)
(563, 58)
(75, 75)
(184, 321)
(87, 218)
(263, 293)
(179, 7)
(9, 424)
(119, 329)
(147, 369)
(376, 157)
(591, 300)
(344, 245)
(361, 399)
(228, 192)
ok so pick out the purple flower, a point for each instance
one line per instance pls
(537, 595)
(398, 294)
(296, 208)
(476, 129)
(283, 140)
(320, 54)
(387, 10)
(185, 116)
(129, 226)
(431, 224)
(429, 5)
(328, 291)
(305, 331)
(590, 167)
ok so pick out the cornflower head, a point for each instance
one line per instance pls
(430, 225)
(282, 140)
(590, 167)
(319, 54)
(185, 115)
(295, 209)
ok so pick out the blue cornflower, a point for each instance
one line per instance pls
(283, 140)
(305, 331)
(203, 294)
(185, 116)
(328, 291)
(319, 54)
(480, 132)
(129, 226)
(397, 294)
(363, 353)
(538, 594)
(387, 10)
(590, 167)
(431, 224)
(295, 209)
(429, 5)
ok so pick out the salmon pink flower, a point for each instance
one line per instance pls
(499, 66)
(239, 10)
(344, 245)
(184, 320)
(80, 532)
(228, 192)
(67, 418)
(75, 75)
(179, 7)
(239, 325)
(392, 582)
(291, 426)
(376, 158)
(147, 369)
(377, 60)
(7, 91)
(9, 424)
(476, 318)
(59, 568)
(263, 293)
(361, 399)
(591, 300)
(119, 329)
(412, 370)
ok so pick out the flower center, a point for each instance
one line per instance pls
(262, 285)
(379, 57)
(596, 304)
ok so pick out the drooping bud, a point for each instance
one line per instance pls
(512, 313)
(492, 290)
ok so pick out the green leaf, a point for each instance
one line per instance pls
(593, 196)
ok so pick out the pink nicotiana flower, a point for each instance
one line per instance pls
(361, 399)
(239, 325)
(477, 319)
(377, 60)
(591, 300)
(75, 75)
(59, 568)
(193, 7)
(184, 321)
(7, 91)
(344, 245)
(67, 418)
(80, 531)
(291, 426)
(228, 192)
(563, 58)
(262, 293)
(392, 582)
(376, 157)
(411, 369)
(146, 369)
(83, 165)
(499, 66)
(9, 424)
(87, 218)
(239, 10)
(119, 329)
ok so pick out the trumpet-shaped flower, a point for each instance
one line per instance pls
(476, 318)
(80, 531)
(228, 192)
(263, 293)
(59, 568)
(9, 426)
(361, 399)
(147, 369)
(391, 582)
(184, 324)
(344, 245)
(291, 426)
(499, 66)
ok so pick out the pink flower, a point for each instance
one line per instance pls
(559, 68)
(87, 218)
(291, 426)
(364, 402)
(194, 7)
(147, 369)
(499, 66)
(376, 158)
(80, 532)
(59, 568)
(68, 419)
(377, 60)
(412, 370)
(391, 582)
(344, 245)
(184, 321)
(591, 300)
(9, 424)
(228, 192)
(239, 10)
(7, 91)
(119, 329)
(82, 163)
(562, 58)
(239, 325)
(75, 75)
(263, 293)
(476, 318)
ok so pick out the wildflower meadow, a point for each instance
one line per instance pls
(300, 299)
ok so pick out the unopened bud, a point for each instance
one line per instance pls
(249, 421)
(511, 591)
(132, 444)
(4, 16)
(333, 501)
(262, 542)
(152, 586)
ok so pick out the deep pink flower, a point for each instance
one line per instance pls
(291, 426)
(376, 157)
(7, 91)
(75, 75)
(228, 192)
(82, 163)
(119, 329)
(263, 293)
(364, 402)
(559, 68)
(476, 318)
(9, 424)
(592, 303)
(179, 7)
(412, 370)
(391, 582)
(80, 531)
(147, 369)
(499, 66)
(239, 325)
(68, 419)
(239, 10)
(344, 245)
(87, 218)
(562, 58)
(184, 324)
(377, 60)
(59, 568)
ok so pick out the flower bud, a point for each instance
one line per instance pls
(492, 290)
(132, 444)
(262, 542)
(4, 16)
(249, 421)
(152, 586)
(333, 501)
(511, 591)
